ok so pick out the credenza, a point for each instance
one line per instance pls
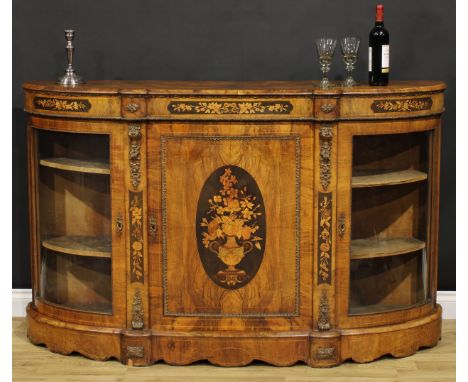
(234, 221)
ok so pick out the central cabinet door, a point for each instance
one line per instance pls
(232, 204)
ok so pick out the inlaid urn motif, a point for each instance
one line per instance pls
(231, 227)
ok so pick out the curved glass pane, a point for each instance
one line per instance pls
(389, 238)
(75, 220)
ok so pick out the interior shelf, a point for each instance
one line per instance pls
(100, 308)
(80, 245)
(373, 248)
(77, 165)
(363, 179)
(377, 308)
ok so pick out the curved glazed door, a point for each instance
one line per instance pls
(232, 201)
(79, 240)
(387, 178)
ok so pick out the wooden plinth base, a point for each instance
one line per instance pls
(317, 349)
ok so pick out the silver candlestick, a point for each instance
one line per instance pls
(70, 78)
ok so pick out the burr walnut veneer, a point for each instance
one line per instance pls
(234, 221)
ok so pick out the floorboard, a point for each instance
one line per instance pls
(36, 363)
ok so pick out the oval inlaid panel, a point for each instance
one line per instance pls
(231, 231)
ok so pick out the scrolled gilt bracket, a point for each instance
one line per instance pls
(134, 133)
(323, 322)
(137, 311)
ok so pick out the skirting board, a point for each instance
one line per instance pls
(21, 298)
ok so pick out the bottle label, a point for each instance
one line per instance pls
(385, 58)
(370, 59)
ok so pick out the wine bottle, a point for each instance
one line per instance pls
(379, 51)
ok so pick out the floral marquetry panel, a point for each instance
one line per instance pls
(231, 225)
(232, 107)
(231, 234)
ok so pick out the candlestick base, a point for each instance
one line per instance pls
(70, 78)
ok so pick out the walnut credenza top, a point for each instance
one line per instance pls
(209, 100)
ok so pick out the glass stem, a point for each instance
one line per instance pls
(325, 82)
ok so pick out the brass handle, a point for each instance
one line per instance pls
(153, 227)
(341, 225)
(119, 223)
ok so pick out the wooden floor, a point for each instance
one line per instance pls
(36, 363)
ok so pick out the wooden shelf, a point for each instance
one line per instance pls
(101, 308)
(379, 308)
(80, 245)
(90, 308)
(77, 165)
(373, 248)
(363, 179)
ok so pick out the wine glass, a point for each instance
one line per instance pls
(325, 50)
(349, 49)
